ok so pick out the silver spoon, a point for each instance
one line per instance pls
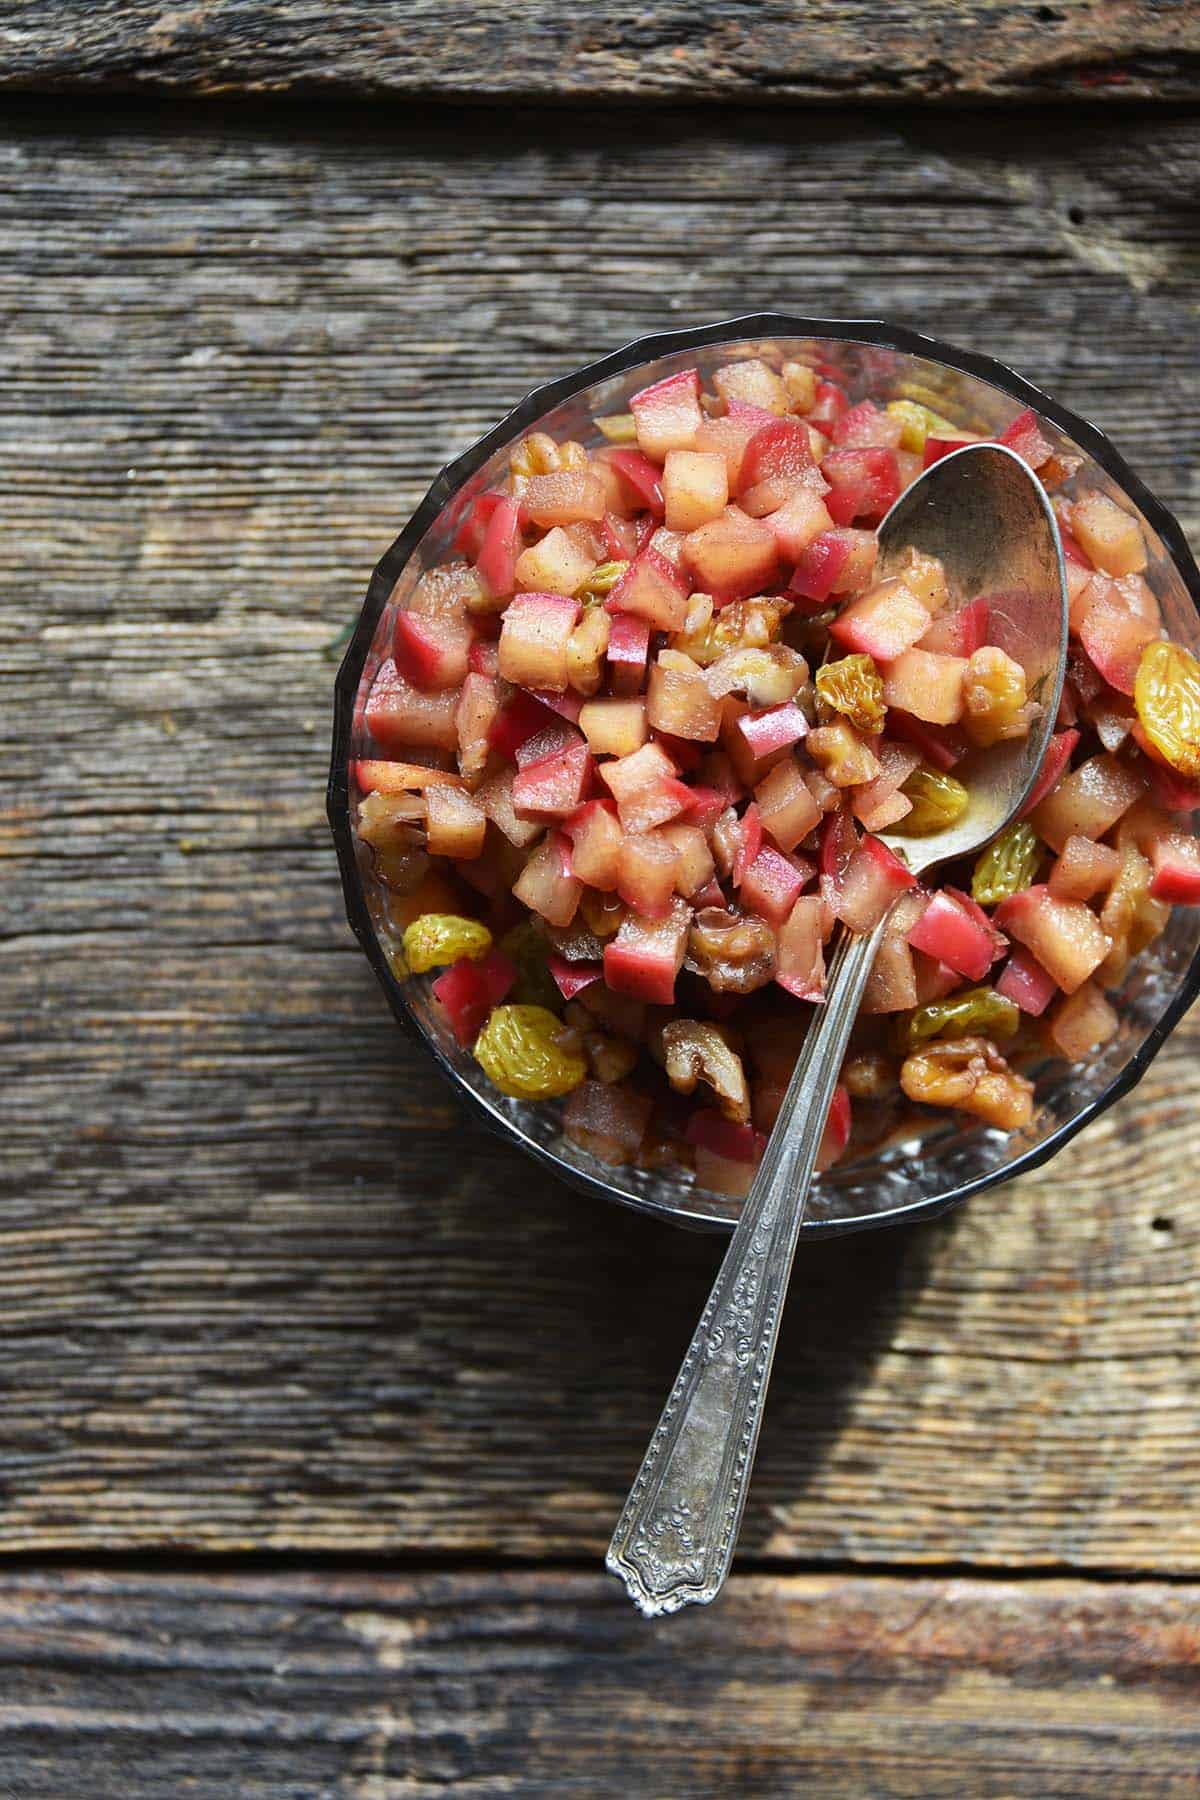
(987, 519)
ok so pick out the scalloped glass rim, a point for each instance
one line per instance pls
(686, 1204)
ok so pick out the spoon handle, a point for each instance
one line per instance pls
(675, 1539)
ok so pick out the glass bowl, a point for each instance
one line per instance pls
(915, 1177)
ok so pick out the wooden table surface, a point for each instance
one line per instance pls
(318, 1406)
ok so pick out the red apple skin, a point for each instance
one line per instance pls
(1058, 755)
(1025, 982)
(1176, 860)
(947, 932)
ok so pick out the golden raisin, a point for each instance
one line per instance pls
(1008, 865)
(969, 1075)
(1167, 697)
(602, 580)
(937, 801)
(978, 1009)
(527, 1053)
(439, 938)
(994, 697)
(618, 428)
(918, 422)
(853, 686)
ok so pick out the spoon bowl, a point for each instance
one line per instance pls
(983, 513)
(987, 520)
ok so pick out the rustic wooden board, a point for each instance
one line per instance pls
(373, 1688)
(260, 1283)
(832, 51)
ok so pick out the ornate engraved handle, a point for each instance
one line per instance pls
(675, 1538)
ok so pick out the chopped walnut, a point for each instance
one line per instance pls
(735, 955)
(970, 1075)
(697, 1051)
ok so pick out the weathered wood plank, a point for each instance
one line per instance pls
(370, 1688)
(836, 51)
(259, 1282)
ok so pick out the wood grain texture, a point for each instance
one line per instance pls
(261, 1284)
(834, 51)
(340, 1688)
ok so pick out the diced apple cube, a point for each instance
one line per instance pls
(695, 487)
(1176, 860)
(645, 788)
(863, 484)
(495, 797)
(928, 686)
(646, 873)
(596, 839)
(1108, 535)
(1083, 869)
(778, 459)
(455, 823)
(800, 385)
(431, 651)
(1114, 639)
(752, 382)
(892, 984)
(951, 933)
(614, 727)
(496, 564)
(883, 623)
(632, 483)
(873, 878)
(667, 414)
(1082, 1023)
(646, 955)
(401, 718)
(959, 633)
(1064, 935)
(1026, 983)
(1088, 802)
(554, 565)
(799, 949)
(772, 729)
(772, 884)
(733, 555)
(547, 884)
(896, 762)
(533, 640)
(375, 777)
(469, 989)
(1024, 436)
(1058, 755)
(801, 519)
(694, 868)
(554, 786)
(651, 589)
(566, 497)
(627, 653)
(786, 805)
(678, 699)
